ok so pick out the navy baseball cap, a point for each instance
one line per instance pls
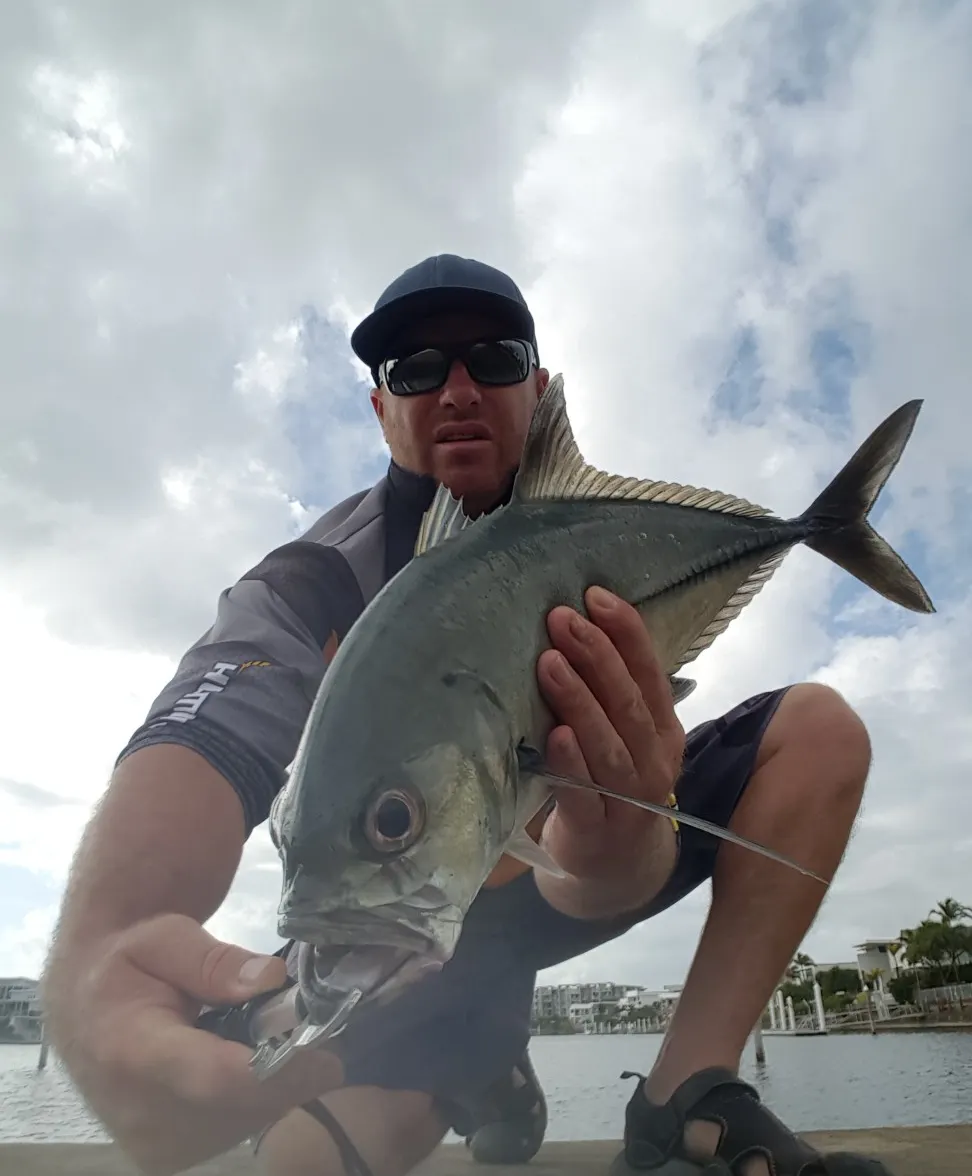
(441, 283)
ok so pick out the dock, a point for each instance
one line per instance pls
(908, 1151)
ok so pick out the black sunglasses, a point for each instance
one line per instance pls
(494, 362)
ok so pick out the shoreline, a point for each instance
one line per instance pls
(860, 1030)
(909, 1151)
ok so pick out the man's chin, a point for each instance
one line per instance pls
(478, 484)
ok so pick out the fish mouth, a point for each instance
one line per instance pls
(329, 977)
(366, 957)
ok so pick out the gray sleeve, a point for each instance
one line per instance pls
(242, 693)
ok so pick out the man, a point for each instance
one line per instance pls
(451, 346)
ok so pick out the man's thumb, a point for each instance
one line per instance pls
(179, 951)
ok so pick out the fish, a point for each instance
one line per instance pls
(421, 762)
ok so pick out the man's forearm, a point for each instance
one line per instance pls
(167, 837)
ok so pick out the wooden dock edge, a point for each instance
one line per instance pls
(907, 1151)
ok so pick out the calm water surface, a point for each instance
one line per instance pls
(811, 1082)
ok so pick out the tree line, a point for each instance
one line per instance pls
(938, 952)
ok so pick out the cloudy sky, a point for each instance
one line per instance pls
(746, 231)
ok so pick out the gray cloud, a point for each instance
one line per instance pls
(32, 796)
(179, 184)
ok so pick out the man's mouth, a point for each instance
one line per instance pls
(467, 434)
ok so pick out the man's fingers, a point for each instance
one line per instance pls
(606, 748)
(204, 1070)
(196, 1096)
(580, 810)
(574, 831)
(623, 625)
(600, 655)
(603, 702)
(178, 951)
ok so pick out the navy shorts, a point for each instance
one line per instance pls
(460, 1029)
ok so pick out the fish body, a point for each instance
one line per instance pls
(420, 764)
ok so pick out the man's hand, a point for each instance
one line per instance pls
(619, 729)
(169, 1094)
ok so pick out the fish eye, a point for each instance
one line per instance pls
(393, 821)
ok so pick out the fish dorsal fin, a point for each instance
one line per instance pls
(443, 520)
(552, 467)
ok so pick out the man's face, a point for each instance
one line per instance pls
(417, 427)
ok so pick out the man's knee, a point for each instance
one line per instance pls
(392, 1130)
(816, 723)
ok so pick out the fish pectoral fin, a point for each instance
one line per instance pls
(681, 687)
(522, 847)
(558, 781)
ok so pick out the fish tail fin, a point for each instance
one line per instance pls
(839, 514)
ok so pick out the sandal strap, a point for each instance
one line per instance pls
(654, 1135)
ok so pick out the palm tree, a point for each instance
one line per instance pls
(874, 978)
(795, 972)
(950, 911)
(956, 935)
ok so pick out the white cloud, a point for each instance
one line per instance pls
(680, 188)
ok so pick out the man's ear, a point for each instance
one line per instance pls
(543, 379)
(378, 404)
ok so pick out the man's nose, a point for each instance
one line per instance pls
(460, 390)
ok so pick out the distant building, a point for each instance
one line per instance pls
(582, 1015)
(874, 955)
(20, 1012)
(804, 972)
(637, 998)
(584, 1001)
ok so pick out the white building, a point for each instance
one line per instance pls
(552, 1001)
(20, 1012)
(874, 955)
(582, 1016)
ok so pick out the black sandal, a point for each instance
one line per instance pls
(506, 1124)
(653, 1135)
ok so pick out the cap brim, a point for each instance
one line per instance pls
(373, 336)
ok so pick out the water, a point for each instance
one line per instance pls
(812, 1083)
(901, 1080)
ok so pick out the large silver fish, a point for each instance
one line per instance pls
(420, 764)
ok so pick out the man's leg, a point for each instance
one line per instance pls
(390, 1130)
(801, 798)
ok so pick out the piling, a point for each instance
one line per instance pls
(44, 1047)
(760, 1047)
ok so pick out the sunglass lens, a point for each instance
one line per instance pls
(420, 372)
(495, 362)
(502, 362)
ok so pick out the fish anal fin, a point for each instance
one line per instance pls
(689, 617)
